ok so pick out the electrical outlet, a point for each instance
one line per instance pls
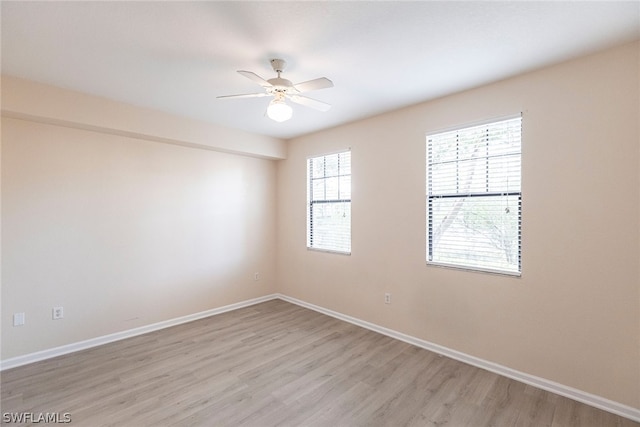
(57, 313)
(256, 276)
(18, 319)
(387, 298)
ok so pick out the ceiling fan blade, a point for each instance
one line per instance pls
(309, 102)
(321, 83)
(247, 95)
(256, 78)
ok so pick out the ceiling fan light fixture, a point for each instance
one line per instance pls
(279, 111)
(282, 89)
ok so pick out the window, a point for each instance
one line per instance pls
(329, 202)
(474, 199)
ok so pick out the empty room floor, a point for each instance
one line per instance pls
(279, 364)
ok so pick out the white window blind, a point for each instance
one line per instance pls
(329, 202)
(474, 198)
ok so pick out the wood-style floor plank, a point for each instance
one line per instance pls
(278, 364)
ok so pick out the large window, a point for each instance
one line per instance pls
(474, 199)
(329, 202)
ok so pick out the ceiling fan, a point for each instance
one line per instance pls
(282, 89)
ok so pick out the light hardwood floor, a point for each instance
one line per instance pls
(278, 364)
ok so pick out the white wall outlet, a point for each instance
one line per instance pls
(18, 319)
(387, 298)
(256, 276)
(57, 313)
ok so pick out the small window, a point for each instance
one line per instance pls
(474, 198)
(329, 202)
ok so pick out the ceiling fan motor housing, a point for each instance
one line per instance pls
(281, 85)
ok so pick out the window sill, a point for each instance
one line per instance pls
(475, 269)
(331, 251)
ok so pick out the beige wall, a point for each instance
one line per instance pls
(574, 315)
(125, 232)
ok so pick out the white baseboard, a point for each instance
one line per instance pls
(572, 393)
(563, 390)
(94, 342)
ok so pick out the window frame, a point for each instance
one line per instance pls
(473, 195)
(339, 200)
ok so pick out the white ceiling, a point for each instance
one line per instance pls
(178, 56)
